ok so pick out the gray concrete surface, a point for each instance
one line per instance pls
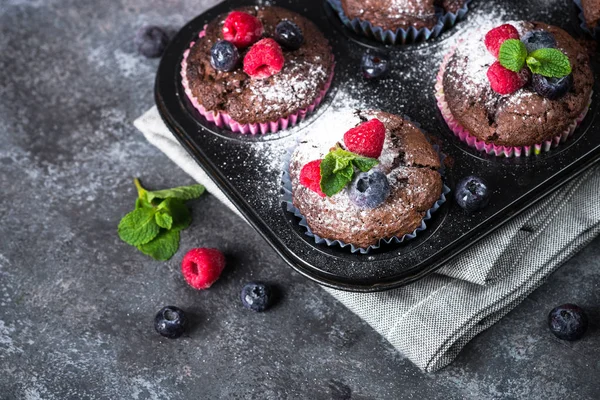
(76, 304)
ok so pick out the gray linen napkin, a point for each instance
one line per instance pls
(431, 320)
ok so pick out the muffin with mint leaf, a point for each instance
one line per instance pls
(517, 89)
(374, 178)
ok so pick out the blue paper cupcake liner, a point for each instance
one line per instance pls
(594, 32)
(445, 21)
(287, 199)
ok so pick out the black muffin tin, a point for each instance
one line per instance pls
(252, 183)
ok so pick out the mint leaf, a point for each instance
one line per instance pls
(142, 203)
(364, 163)
(163, 219)
(163, 246)
(337, 169)
(181, 192)
(333, 182)
(512, 55)
(138, 227)
(178, 211)
(551, 63)
(342, 158)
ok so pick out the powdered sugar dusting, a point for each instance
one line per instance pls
(290, 86)
(328, 127)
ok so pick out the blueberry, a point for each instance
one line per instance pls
(374, 65)
(535, 40)
(170, 322)
(151, 41)
(369, 189)
(472, 193)
(224, 56)
(552, 88)
(256, 296)
(568, 322)
(289, 35)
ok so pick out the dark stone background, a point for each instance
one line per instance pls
(76, 304)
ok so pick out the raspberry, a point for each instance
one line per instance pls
(497, 36)
(264, 59)
(310, 177)
(505, 81)
(202, 267)
(366, 139)
(242, 29)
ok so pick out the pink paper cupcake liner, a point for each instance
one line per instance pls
(223, 119)
(490, 148)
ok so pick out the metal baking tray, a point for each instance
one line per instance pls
(252, 182)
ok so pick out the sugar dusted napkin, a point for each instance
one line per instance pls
(431, 320)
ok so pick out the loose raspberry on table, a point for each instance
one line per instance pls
(497, 36)
(202, 267)
(310, 177)
(242, 29)
(265, 58)
(366, 139)
(505, 81)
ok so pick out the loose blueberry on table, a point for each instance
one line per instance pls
(151, 41)
(568, 322)
(170, 322)
(375, 65)
(472, 193)
(256, 296)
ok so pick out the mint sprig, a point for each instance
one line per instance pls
(551, 63)
(154, 226)
(337, 169)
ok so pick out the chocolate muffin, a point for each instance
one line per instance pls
(521, 118)
(591, 12)
(291, 92)
(408, 161)
(395, 14)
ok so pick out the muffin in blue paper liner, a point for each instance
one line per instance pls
(396, 204)
(444, 21)
(594, 31)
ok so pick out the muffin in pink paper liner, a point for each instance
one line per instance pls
(528, 120)
(268, 97)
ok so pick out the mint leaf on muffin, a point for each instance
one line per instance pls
(548, 62)
(154, 226)
(551, 63)
(512, 55)
(337, 169)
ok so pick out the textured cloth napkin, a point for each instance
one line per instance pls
(431, 320)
